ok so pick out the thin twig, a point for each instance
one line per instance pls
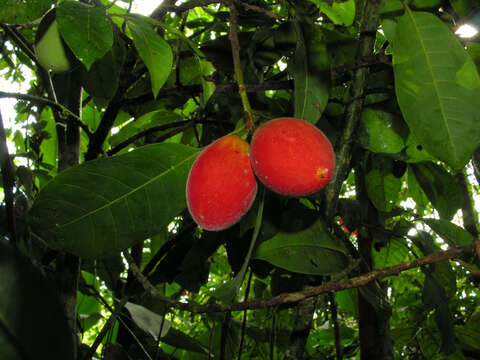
(244, 321)
(250, 125)
(261, 11)
(57, 106)
(98, 340)
(336, 328)
(290, 298)
(8, 182)
(187, 6)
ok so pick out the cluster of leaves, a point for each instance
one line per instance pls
(404, 121)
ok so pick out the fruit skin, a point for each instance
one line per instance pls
(52, 52)
(292, 157)
(221, 186)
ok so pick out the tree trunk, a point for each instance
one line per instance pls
(301, 329)
(374, 311)
(68, 92)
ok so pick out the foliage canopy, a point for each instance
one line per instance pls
(97, 238)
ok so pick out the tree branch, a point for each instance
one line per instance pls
(111, 320)
(55, 105)
(183, 7)
(290, 298)
(238, 65)
(354, 109)
(95, 146)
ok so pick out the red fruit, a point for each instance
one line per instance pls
(292, 157)
(221, 186)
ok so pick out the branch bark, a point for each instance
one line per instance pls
(353, 111)
(291, 298)
(238, 66)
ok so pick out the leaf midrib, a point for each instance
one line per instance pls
(126, 195)
(434, 80)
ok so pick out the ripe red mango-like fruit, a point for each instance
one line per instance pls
(221, 186)
(292, 157)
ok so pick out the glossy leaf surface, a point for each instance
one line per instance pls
(311, 251)
(154, 51)
(107, 205)
(437, 86)
(85, 29)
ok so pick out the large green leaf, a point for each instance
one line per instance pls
(154, 51)
(144, 122)
(437, 87)
(440, 187)
(31, 314)
(383, 187)
(23, 11)
(152, 323)
(381, 132)
(310, 251)
(451, 233)
(435, 297)
(104, 206)
(85, 29)
(311, 80)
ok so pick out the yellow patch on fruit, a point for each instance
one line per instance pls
(322, 173)
(236, 144)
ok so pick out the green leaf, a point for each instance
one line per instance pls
(440, 187)
(31, 314)
(435, 297)
(311, 87)
(381, 132)
(180, 340)
(341, 12)
(311, 251)
(437, 87)
(451, 233)
(85, 29)
(153, 50)
(144, 122)
(383, 187)
(23, 11)
(103, 78)
(416, 193)
(105, 206)
(415, 151)
(348, 300)
(148, 321)
(395, 252)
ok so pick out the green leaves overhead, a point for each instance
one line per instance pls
(105, 206)
(311, 251)
(85, 29)
(22, 12)
(153, 50)
(31, 314)
(437, 87)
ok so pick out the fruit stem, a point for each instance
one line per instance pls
(250, 125)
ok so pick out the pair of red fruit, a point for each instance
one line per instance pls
(288, 155)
